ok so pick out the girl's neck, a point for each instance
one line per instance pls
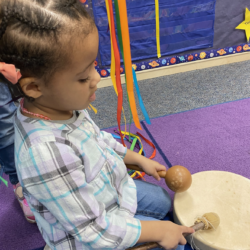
(52, 114)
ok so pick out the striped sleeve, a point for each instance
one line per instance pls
(54, 174)
(115, 145)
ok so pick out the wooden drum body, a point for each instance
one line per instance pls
(224, 193)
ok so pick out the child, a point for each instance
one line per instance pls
(7, 111)
(73, 176)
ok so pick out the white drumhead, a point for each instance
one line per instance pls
(224, 193)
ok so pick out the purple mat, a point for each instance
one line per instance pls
(15, 232)
(212, 138)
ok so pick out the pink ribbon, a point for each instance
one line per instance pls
(10, 73)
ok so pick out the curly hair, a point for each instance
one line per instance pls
(33, 34)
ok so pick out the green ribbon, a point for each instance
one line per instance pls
(4, 181)
(133, 144)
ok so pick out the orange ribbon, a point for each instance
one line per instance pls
(127, 59)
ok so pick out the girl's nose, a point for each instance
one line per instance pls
(96, 79)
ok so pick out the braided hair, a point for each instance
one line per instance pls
(33, 34)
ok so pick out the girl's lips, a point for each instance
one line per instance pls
(92, 98)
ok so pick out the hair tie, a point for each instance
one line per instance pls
(10, 72)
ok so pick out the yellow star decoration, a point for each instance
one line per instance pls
(245, 25)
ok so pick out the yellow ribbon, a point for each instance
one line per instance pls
(157, 27)
(94, 109)
(137, 172)
(112, 67)
(134, 174)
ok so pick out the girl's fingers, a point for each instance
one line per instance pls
(187, 230)
(156, 176)
(183, 241)
(161, 168)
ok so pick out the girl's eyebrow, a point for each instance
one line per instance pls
(85, 68)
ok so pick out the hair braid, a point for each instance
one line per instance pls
(19, 16)
(4, 22)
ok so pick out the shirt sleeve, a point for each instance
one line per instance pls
(54, 175)
(115, 145)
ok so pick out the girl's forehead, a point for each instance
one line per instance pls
(84, 50)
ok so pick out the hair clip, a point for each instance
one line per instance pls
(10, 72)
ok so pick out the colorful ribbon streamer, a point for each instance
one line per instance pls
(134, 143)
(157, 28)
(137, 145)
(117, 66)
(135, 136)
(138, 137)
(119, 34)
(140, 175)
(150, 143)
(128, 138)
(112, 67)
(143, 109)
(127, 58)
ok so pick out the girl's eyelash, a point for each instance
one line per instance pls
(84, 80)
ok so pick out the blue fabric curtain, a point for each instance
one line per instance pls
(184, 25)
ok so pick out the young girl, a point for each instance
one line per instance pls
(73, 176)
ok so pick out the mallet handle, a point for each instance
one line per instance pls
(196, 227)
(162, 174)
(152, 245)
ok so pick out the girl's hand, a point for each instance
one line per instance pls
(165, 233)
(172, 235)
(151, 167)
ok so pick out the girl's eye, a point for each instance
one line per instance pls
(84, 80)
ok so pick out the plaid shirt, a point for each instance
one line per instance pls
(76, 183)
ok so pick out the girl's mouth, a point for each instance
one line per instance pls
(92, 98)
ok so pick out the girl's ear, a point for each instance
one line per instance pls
(30, 87)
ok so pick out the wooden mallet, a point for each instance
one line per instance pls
(206, 222)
